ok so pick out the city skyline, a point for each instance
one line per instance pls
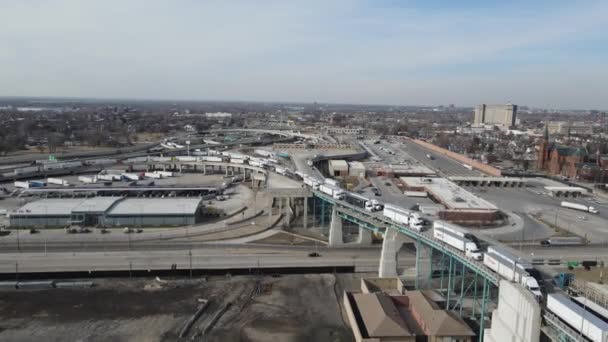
(545, 54)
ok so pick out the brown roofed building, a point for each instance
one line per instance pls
(380, 317)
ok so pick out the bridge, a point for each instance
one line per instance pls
(460, 279)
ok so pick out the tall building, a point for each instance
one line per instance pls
(570, 128)
(504, 115)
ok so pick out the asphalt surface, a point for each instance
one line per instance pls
(201, 258)
(441, 163)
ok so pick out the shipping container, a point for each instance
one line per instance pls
(22, 185)
(58, 181)
(87, 180)
(153, 175)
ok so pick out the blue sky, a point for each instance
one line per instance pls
(539, 53)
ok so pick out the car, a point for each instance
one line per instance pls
(388, 184)
(314, 255)
(34, 231)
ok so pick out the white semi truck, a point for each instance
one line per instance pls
(513, 268)
(363, 202)
(57, 181)
(468, 247)
(403, 216)
(581, 207)
(586, 323)
(332, 191)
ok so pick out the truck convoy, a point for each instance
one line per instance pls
(514, 268)
(461, 243)
(589, 325)
(581, 207)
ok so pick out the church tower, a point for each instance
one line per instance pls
(543, 150)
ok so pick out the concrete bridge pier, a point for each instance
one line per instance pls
(365, 236)
(335, 230)
(390, 248)
(424, 265)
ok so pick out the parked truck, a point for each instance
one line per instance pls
(22, 184)
(87, 180)
(58, 181)
(332, 191)
(513, 268)
(581, 207)
(129, 176)
(468, 247)
(153, 175)
(581, 320)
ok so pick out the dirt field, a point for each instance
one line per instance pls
(285, 308)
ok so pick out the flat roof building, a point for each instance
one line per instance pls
(107, 211)
(147, 212)
(503, 115)
(338, 168)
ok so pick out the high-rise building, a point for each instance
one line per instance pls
(504, 115)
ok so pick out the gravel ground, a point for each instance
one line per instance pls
(264, 308)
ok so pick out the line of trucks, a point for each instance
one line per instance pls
(105, 176)
(499, 260)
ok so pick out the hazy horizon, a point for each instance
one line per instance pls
(547, 54)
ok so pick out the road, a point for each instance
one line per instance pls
(441, 163)
(363, 259)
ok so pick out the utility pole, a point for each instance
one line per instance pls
(190, 255)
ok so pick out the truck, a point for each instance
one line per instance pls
(468, 247)
(467, 166)
(513, 268)
(581, 207)
(579, 319)
(332, 191)
(454, 229)
(212, 159)
(58, 181)
(280, 170)
(153, 175)
(130, 176)
(311, 182)
(164, 173)
(564, 241)
(331, 182)
(87, 180)
(362, 202)
(430, 156)
(107, 177)
(402, 216)
(185, 159)
(37, 184)
(237, 160)
(22, 184)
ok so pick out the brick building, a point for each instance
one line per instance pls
(572, 162)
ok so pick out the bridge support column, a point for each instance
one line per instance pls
(335, 229)
(365, 236)
(390, 248)
(270, 212)
(305, 216)
(424, 265)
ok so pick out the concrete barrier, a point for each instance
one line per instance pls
(492, 171)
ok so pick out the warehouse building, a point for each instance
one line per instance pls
(155, 212)
(108, 212)
(338, 168)
(356, 169)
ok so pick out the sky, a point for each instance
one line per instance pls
(550, 54)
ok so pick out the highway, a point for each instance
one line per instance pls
(224, 257)
(441, 163)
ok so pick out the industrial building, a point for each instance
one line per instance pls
(569, 128)
(356, 169)
(338, 168)
(394, 316)
(503, 115)
(107, 212)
